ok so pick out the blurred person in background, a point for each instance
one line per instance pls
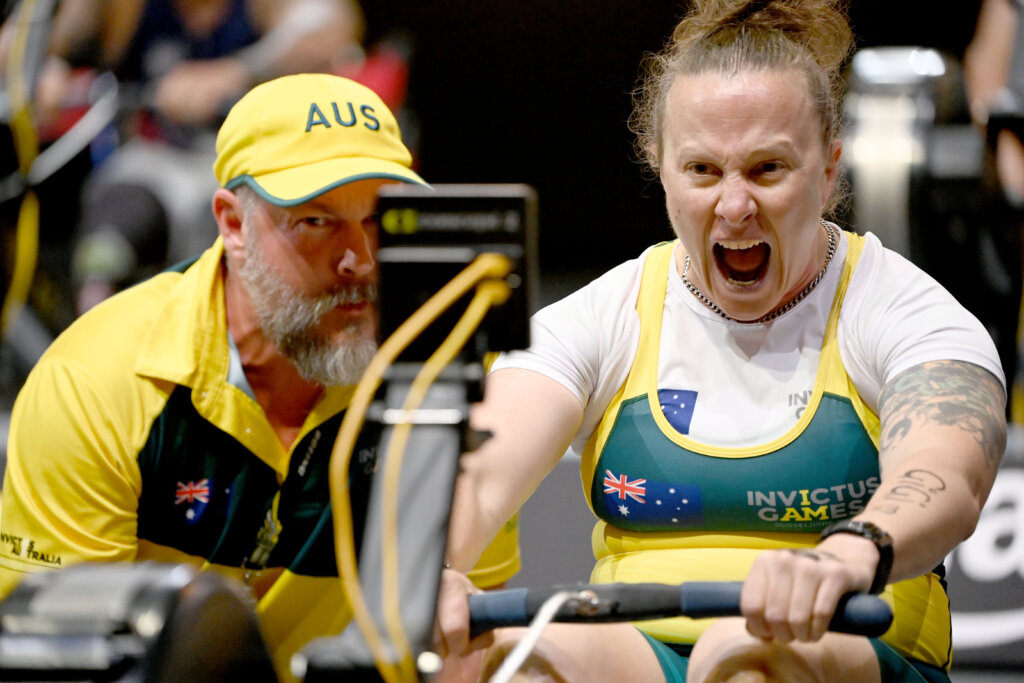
(994, 78)
(994, 75)
(180, 65)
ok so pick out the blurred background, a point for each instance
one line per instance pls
(538, 92)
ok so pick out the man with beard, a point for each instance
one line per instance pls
(191, 418)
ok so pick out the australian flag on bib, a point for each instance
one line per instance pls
(677, 406)
(636, 502)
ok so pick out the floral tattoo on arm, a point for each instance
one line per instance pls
(949, 393)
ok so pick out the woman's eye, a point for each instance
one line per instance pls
(699, 168)
(770, 167)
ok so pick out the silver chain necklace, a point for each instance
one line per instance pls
(832, 243)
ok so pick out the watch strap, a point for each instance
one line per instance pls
(882, 541)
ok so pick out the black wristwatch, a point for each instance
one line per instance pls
(882, 541)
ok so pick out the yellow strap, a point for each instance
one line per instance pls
(26, 146)
(652, 288)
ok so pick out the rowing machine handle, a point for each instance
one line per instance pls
(857, 613)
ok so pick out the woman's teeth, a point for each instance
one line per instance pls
(742, 262)
(745, 244)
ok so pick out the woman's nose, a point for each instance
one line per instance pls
(735, 204)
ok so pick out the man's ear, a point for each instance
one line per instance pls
(228, 212)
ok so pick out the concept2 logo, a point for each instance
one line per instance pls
(994, 553)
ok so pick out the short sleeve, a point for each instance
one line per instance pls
(71, 485)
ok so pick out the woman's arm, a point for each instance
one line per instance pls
(986, 61)
(532, 420)
(943, 435)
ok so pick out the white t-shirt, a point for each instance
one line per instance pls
(753, 379)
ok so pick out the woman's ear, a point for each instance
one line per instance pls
(653, 153)
(831, 170)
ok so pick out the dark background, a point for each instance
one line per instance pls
(538, 92)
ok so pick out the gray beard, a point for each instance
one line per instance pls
(289, 319)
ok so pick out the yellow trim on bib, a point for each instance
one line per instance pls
(643, 376)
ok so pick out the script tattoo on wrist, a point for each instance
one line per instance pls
(948, 393)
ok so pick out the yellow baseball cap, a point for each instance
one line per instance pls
(296, 137)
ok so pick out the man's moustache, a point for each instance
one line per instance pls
(350, 294)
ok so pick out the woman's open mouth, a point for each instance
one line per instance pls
(742, 263)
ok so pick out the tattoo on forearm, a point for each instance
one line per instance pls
(949, 393)
(914, 487)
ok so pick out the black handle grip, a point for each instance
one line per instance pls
(859, 614)
(495, 609)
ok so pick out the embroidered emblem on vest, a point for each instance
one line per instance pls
(196, 495)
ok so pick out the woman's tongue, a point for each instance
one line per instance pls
(742, 266)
